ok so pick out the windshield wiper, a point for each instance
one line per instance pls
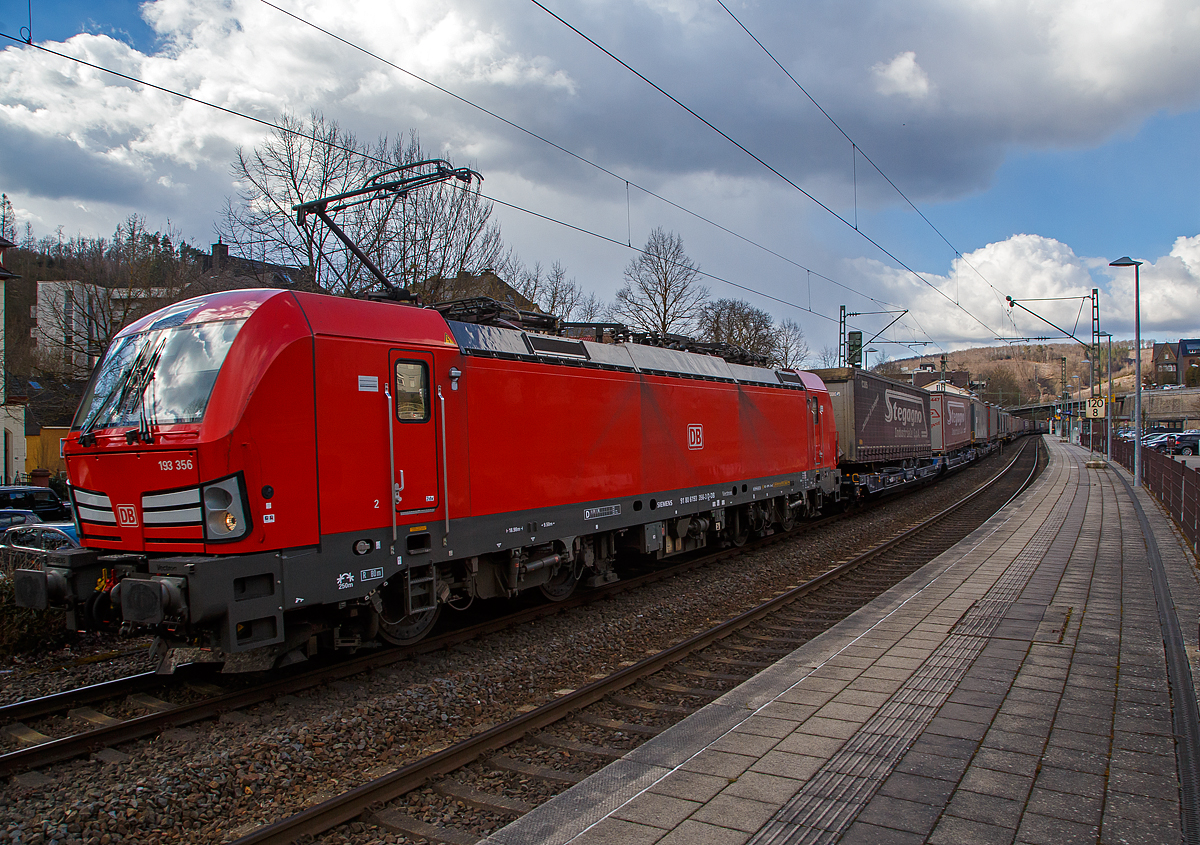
(116, 397)
(144, 431)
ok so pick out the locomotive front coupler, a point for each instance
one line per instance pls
(68, 578)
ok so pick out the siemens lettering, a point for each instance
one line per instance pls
(903, 414)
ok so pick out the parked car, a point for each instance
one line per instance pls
(1153, 441)
(43, 537)
(11, 517)
(41, 500)
(1181, 444)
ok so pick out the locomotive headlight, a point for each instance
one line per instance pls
(225, 509)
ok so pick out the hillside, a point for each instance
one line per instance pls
(1024, 373)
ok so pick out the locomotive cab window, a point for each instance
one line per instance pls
(165, 375)
(412, 391)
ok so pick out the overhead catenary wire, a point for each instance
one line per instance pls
(641, 251)
(378, 160)
(274, 126)
(581, 158)
(758, 159)
(856, 149)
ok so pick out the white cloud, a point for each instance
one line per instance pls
(991, 77)
(1029, 74)
(967, 306)
(902, 75)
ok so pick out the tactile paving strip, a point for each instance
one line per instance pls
(827, 804)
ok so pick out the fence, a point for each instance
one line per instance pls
(1171, 482)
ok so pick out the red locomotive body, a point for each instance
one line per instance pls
(275, 470)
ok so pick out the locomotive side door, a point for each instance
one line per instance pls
(816, 437)
(415, 431)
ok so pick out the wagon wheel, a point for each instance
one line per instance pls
(399, 629)
(561, 584)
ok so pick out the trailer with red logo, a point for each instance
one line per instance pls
(950, 427)
(883, 430)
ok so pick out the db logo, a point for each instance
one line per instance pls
(695, 436)
(126, 515)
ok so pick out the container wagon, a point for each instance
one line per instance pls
(883, 430)
(950, 427)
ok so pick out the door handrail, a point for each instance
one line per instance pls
(391, 463)
(445, 473)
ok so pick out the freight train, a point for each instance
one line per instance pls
(278, 473)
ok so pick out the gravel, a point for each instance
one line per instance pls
(217, 780)
(90, 659)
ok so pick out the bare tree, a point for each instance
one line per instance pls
(791, 347)
(553, 292)
(886, 366)
(738, 323)
(1002, 387)
(416, 239)
(103, 285)
(662, 291)
(828, 357)
(590, 309)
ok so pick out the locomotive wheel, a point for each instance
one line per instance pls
(561, 585)
(787, 520)
(739, 528)
(408, 629)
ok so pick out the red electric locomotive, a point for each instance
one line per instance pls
(271, 471)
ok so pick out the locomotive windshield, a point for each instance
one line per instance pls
(163, 375)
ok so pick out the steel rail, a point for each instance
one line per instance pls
(328, 814)
(61, 702)
(65, 748)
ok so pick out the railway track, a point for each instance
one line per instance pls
(456, 794)
(147, 704)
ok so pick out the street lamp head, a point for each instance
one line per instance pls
(1125, 261)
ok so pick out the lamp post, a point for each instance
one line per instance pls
(1126, 261)
(1108, 402)
(867, 352)
(1078, 397)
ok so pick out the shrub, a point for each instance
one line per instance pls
(23, 630)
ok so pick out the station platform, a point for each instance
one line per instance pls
(1015, 689)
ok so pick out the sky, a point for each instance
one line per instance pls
(960, 152)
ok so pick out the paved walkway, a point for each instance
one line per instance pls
(1013, 690)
